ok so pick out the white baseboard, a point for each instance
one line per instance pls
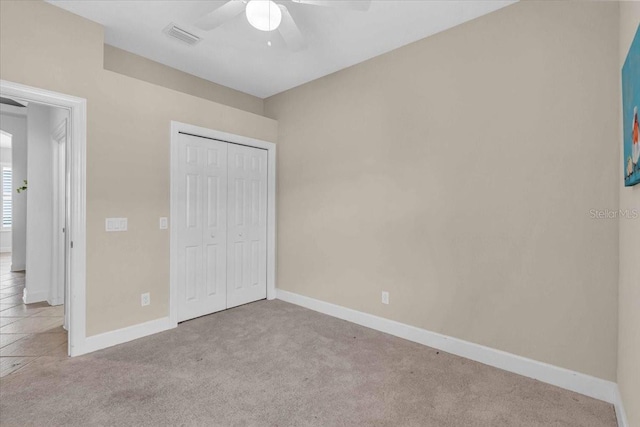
(30, 297)
(18, 267)
(570, 380)
(119, 336)
(621, 415)
(55, 301)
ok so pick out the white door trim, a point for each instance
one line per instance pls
(77, 216)
(57, 286)
(178, 127)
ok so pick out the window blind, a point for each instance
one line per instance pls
(7, 190)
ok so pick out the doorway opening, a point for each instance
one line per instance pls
(42, 271)
(34, 200)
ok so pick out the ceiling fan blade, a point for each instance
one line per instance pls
(219, 16)
(9, 101)
(361, 5)
(290, 31)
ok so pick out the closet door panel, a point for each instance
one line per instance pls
(201, 222)
(215, 230)
(247, 228)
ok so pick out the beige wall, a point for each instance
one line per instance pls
(127, 152)
(129, 64)
(629, 293)
(458, 173)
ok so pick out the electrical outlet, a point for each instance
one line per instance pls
(145, 299)
(385, 297)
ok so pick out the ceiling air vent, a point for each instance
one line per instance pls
(182, 35)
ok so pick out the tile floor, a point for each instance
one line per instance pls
(27, 331)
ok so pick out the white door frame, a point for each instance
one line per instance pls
(176, 129)
(76, 149)
(58, 276)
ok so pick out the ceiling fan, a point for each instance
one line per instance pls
(267, 15)
(9, 101)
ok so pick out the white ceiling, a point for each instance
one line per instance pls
(237, 55)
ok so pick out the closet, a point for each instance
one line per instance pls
(221, 225)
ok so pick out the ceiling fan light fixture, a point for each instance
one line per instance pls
(263, 15)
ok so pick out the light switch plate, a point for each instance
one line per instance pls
(145, 299)
(116, 224)
(164, 223)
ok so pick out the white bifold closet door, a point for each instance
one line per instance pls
(202, 227)
(246, 225)
(222, 226)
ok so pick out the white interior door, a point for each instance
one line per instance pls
(202, 226)
(247, 225)
(58, 259)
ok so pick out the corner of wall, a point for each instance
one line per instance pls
(628, 374)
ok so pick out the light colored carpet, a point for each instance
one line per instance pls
(275, 364)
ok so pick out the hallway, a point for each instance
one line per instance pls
(27, 332)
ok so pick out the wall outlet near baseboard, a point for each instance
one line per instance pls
(145, 299)
(385, 297)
